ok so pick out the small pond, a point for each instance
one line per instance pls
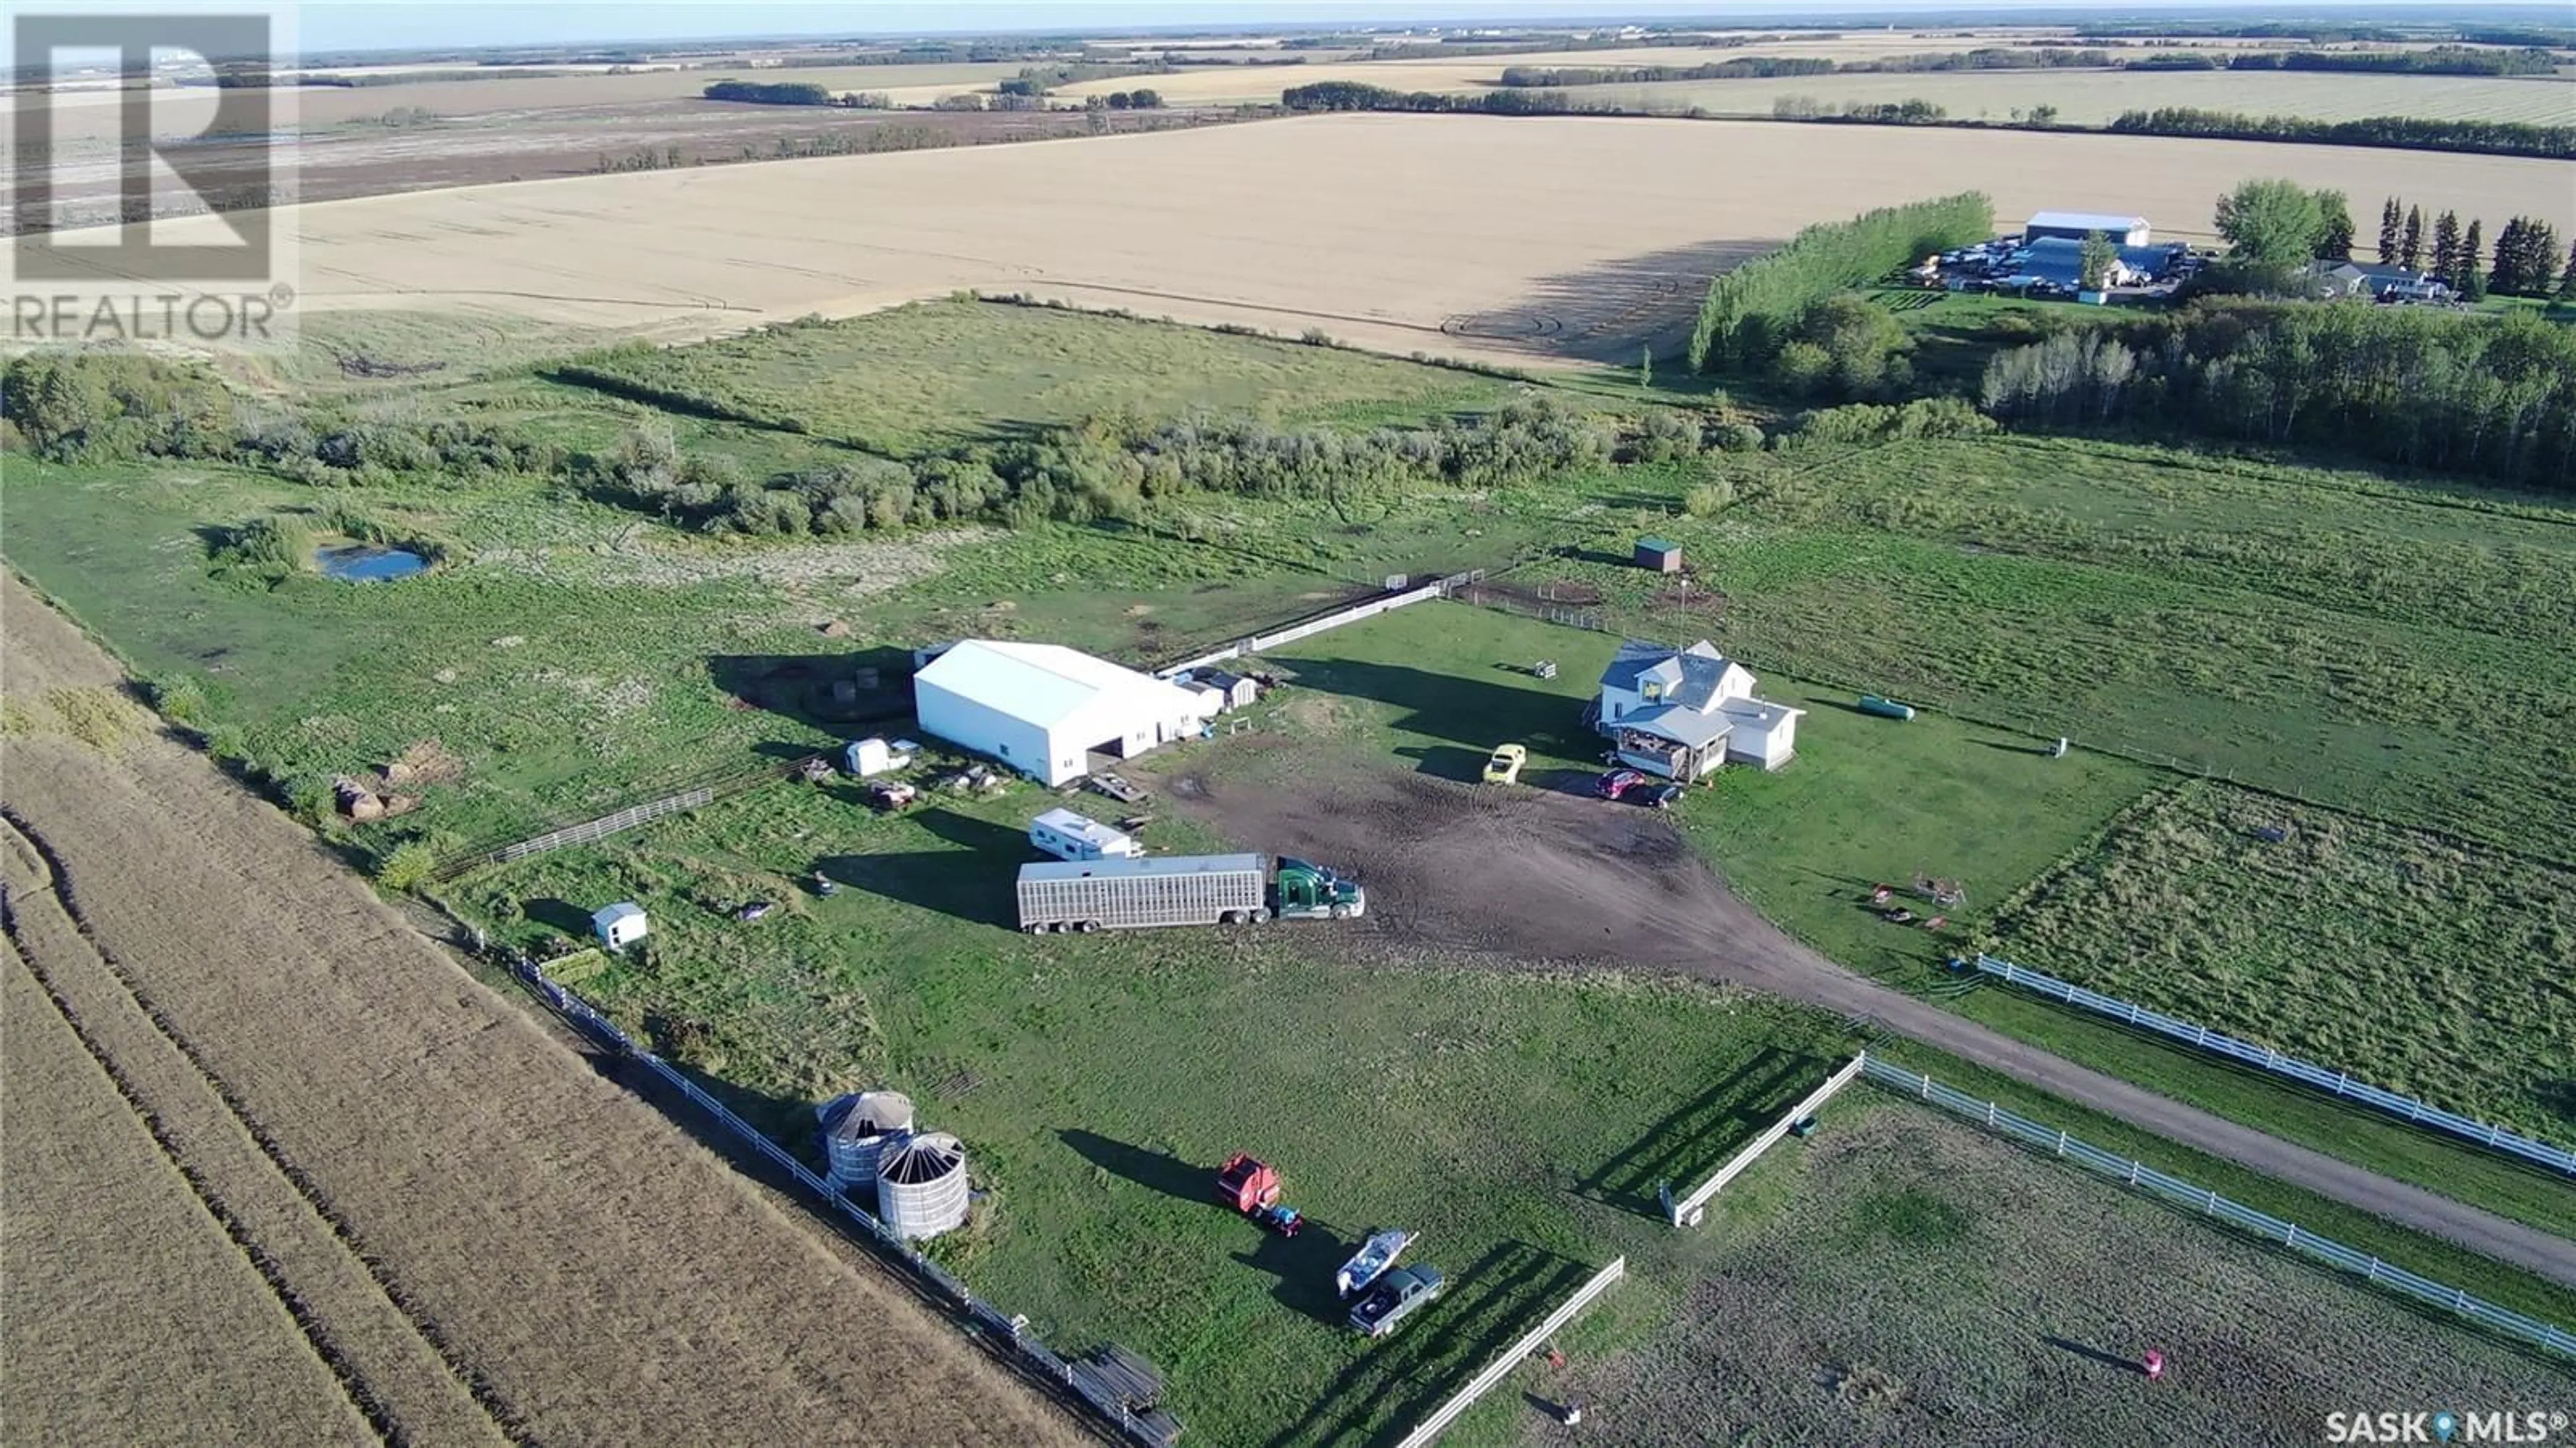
(368, 562)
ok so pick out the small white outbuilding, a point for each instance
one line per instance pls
(620, 925)
(1043, 709)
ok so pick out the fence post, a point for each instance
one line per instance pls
(2134, 1165)
(2211, 1206)
(2061, 1143)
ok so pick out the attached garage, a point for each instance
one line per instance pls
(1043, 709)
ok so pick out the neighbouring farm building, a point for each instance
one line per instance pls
(1044, 709)
(2077, 225)
(620, 925)
(1681, 713)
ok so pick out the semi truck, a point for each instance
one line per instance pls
(1091, 895)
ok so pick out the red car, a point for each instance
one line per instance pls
(1618, 782)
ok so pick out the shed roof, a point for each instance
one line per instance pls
(1043, 684)
(1759, 714)
(2084, 221)
(1658, 545)
(607, 915)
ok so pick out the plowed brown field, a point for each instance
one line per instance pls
(443, 1226)
(1512, 237)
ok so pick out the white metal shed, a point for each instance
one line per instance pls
(1043, 708)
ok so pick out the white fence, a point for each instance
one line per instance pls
(2208, 1203)
(1310, 627)
(1513, 1356)
(1686, 1212)
(1155, 1428)
(2340, 1083)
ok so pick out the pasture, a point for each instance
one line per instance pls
(2419, 963)
(1918, 1283)
(1350, 224)
(2096, 97)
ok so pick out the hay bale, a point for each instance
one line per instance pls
(358, 802)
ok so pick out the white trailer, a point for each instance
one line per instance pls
(1133, 894)
(1069, 836)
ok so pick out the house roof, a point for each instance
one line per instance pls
(1759, 714)
(2084, 221)
(1690, 678)
(1044, 684)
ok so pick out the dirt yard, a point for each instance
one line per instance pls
(444, 1225)
(1925, 1284)
(1552, 876)
(1526, 239)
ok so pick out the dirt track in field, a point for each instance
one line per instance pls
(1519, 238)
(1557, 878)
(415, 1216)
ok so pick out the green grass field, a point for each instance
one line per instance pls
(2421, 965)
(934, 374)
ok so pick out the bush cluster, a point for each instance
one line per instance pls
(1749, 312)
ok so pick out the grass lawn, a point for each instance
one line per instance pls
(2422, 965)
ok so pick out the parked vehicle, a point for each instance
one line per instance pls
(1618, 782)
(1251, 1186)
(1668, 796)
(752, 910)
(1371, 1261)
(1505, 766)
(1088, 895)
(1396, 1296)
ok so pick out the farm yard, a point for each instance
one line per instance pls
(2262, 741)
(1602, 253)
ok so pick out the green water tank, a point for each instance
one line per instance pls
(1885, 708)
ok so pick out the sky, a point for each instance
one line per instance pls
(412, 24)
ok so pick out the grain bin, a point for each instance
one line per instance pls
(857, 1128)
(921, 1185)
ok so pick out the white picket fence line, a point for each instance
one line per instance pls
(2556, 1158)
(1295, 631)
(1686, 1212)
(2141, 1177)
(1513, 1356)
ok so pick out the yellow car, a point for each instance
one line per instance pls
(1505, 766)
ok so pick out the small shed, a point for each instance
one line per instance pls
(863, 757)
(1239, 691)
(619, 925)
(1659, 555)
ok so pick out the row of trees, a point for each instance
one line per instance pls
(1746, 67)
(2492, 397)
(1347, 95)
(2433, 60)
(1746, 317)
(2405, 133)
(2526, 252)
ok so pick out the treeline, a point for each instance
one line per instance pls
(2526, 253)
(1763, 67)
(1914, 112)
(1744, 319)
(2409, 133)
(2491, 397)
(2436, 60)
(1748, 67)
(1347, 95)
(773, 93)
